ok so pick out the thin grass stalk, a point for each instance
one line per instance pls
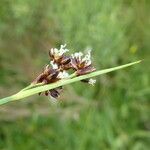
(29, 91)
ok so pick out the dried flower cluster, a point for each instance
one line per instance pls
(60, 63)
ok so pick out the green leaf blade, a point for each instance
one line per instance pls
(43, 88)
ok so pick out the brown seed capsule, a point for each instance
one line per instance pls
(55, 92)
(85, 70)
(65, 60)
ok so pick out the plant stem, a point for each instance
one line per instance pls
(31, 86)
(31, 91)
(6, 100)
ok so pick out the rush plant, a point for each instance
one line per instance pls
(55, 74)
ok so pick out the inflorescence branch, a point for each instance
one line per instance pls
(58, 68)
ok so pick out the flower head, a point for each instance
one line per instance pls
(48, 76)
(59, 59)
(82, 65)
(60, 63)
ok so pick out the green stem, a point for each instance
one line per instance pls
(6, 100)
(31, 86)
(35, 90)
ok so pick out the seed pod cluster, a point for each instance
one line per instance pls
(60, 63)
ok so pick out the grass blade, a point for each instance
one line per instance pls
(32, 91)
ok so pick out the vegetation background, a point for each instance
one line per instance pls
(112, 115)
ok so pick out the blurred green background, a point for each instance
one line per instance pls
(112, 115)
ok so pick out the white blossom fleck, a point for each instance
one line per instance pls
(54, 65)
(77, 55)
(87, 58)
(92, 82)
(59, 52)
(63, 50)
(54, 51)
(63, 75)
